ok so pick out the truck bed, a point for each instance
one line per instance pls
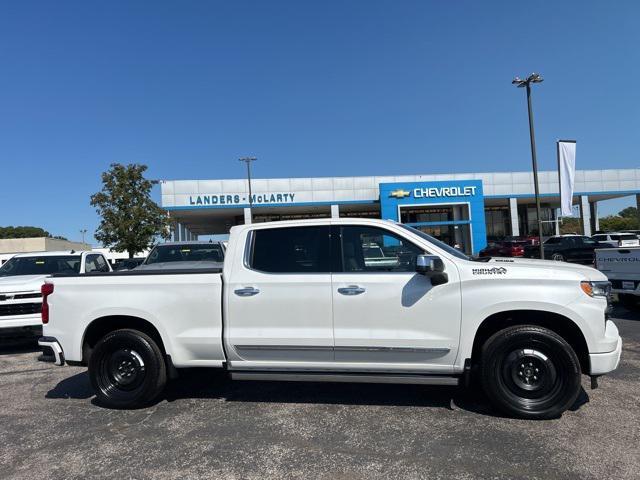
(185, 306)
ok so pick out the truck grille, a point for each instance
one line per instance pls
(20, 309)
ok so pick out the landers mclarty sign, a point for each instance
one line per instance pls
(236, 199)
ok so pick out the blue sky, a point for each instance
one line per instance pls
(311, 88)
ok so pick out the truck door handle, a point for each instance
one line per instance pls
(246, 292)
(351, 290)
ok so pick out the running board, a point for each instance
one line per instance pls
(347, 378)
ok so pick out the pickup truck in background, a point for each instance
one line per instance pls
(622, 268)
(22, 276)
(300, 301)
(184, 255)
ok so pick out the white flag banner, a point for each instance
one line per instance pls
(566, 175)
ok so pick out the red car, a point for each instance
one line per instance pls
(509, 248)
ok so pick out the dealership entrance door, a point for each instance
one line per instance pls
(449, 223)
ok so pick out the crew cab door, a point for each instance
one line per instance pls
(385, 314)
(278, 299)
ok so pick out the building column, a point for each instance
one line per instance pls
(513, 211)
(585, 215)
(176, 233)
(247, 216)
(335, 211)
(595, 221)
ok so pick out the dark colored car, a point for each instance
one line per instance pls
(569, 248)
(127, 263)
(505, 248)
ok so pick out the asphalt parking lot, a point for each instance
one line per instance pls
(208, 427)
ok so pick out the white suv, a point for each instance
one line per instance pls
(616, 239)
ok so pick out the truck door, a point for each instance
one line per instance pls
(279, 298)
(384, 312)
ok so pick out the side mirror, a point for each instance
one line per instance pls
(429, 265)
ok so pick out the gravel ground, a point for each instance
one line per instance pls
(208, 427)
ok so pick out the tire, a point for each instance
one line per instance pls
(509, 362)
(127, 369)
(628, 301)
(558, 257)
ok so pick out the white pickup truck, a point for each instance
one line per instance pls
(622, 268)
(298, 300)
(22, 276)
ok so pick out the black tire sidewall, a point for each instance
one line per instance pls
(564, 359)
(154, 378)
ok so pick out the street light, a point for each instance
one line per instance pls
(520, 83)
(248, 161)
(83, 231)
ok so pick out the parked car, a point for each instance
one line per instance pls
(622, 268)
(22, 276)
(505, 248)
(617, 239)
(567, 248)
(127, 264)
(296, 300)
(181, 255)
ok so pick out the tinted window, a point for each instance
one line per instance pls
(45, 265)
(370, 249)
(552, 241)
(208, 252)
(599, 237)
(292, 250)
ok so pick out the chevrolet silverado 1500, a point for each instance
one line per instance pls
(300, 300)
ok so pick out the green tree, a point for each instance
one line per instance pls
(25, 232)
(131, 220)
(629, 212)
(570, 225)
(615, 223)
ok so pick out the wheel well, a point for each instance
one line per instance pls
(103, 325)
(557, 323)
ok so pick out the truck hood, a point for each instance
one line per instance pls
(20, 283)
(549, 265)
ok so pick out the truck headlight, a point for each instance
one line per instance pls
(596, 289)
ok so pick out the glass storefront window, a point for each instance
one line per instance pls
(497, 222)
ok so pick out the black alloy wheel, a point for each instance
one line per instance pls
(530, 372)
(127, 369)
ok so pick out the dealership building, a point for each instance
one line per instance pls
(461, 209)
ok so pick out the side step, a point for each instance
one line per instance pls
(347, 378)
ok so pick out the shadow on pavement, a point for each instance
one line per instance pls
(12, 345)
(76, 386)
(207, 384)
(625, 314)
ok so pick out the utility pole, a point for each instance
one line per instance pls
(248, 161)
(533, 78)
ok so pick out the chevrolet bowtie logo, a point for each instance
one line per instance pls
(400, 193)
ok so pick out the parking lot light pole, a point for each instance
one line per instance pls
(520, 83)
(248, 161)
(82, 232)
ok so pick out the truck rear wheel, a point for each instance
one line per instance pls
(127, 369)
(530, 372)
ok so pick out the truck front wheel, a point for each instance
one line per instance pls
(127, 369)
(530, 372)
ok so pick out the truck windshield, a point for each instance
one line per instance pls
(185, 253)
(45, 265)
(447, 248)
